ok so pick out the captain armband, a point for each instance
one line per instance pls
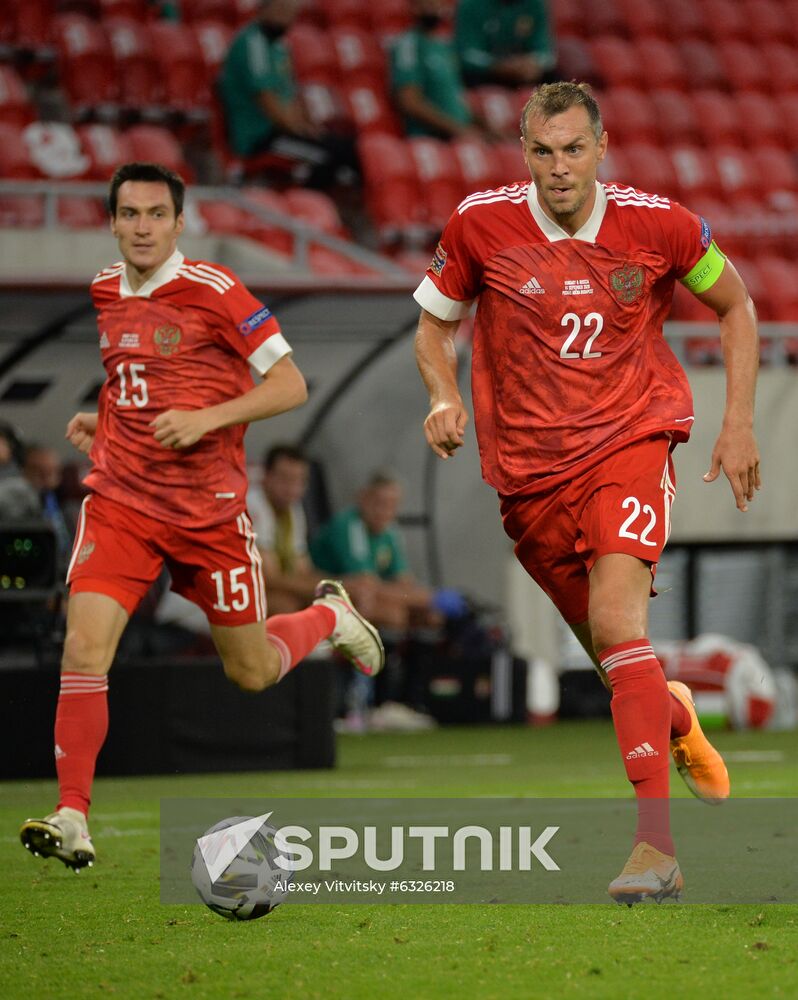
(707, 271)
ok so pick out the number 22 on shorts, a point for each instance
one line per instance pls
(647, 511)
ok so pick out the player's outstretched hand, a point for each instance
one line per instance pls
(444, 427)
(81, 430)
(180, 428)
(737, 454)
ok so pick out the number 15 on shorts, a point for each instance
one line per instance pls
(232, 593)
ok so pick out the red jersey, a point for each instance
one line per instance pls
(569, 361)
(185, 340)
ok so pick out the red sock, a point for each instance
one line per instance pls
(295, 635)
(681, 723)
(641, 712)
(81, 724)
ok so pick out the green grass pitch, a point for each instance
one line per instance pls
(104, 933)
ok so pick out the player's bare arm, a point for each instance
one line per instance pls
(736, 450)
(436, 358)
(283, 388)
(81, 430)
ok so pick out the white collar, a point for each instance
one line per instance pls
(166, 272)
(553, 232)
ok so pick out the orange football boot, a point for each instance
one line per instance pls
(698, 762)
(648, 874)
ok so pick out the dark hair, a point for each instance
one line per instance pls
(152, 172)
(277, 451)
(552, 99)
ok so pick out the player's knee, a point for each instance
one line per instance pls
(609, 628)
(252, 676)
(83, 654)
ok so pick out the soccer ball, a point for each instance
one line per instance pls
(247, 887)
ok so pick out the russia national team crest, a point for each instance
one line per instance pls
(166, 339)
(627, 282)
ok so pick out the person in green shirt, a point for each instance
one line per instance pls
(508, 42)
(263, 108)
(425, 78)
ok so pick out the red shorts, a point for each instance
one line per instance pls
(120, 552)
(621, 505)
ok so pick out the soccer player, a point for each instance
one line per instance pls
(578, 405)
(168, 485)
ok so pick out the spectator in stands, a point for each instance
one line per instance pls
(506, 42)
(263, 107)
(42, 468)
(426, 82)
(18, 500)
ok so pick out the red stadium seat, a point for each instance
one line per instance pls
(718, 115)
(213, 38)
(617, 61)
(787, 108)
(675, 117)
(86, 72)
(323, 260)
(498, 107)
(511, 162)
(479, 166)
(683, 19)
(273, 235)
(568, 18)
(55, 150)
(359, 55)
(650, 170)
(702, 65)
(745, 67)
(751, 274)
(21, 211)
(661, 64)
(15, 160)
(79, 212)
(137, 66)
(222, 11)
(389, 17)
(15, 105)
(723, 21)
(629, 116)
(34, 22)
(766, 20)
(575, 60)
(776, 169)
(439, 179)
(695, 171)
(152, 143)
(312, 55)
(182, 69)
(781, 67)
(736, 171)
(345, 13)
(222, 217)
(316, 209)
(644, 18)
(390, 186)
(604, 18)
(370, 110)
(758, 118)
(106, 147)
(614, 168)
(326, 107)
(138, 10)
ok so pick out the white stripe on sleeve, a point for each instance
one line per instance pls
(429, 297)
(269, 353)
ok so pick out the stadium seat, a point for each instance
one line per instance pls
(758, 118)
(702, 65)
(479, 166)
(575, 60)
(675, 117)
(787, 108)
(34, 23)
(643, 18)
(723, 21)
(568, 18)
(682, 19)
(629, 116)
(511, 162)
(79, 212)
(358, 55)
(213, 39)
(695, 171)
(273, 235)
(21, 211)
(136, 65)
(614, 168)
(312, 56)
(736, 171)
(54, 149)
(138, 10)
(744, 66)
(781, 68)
(604, 18)
(650, 170)
(222, 11)
(439, 179)
(390, 186)
(223, 217)
(389, 17)
(152, 142)
(15, 105)
(15, 161)
(765, 21)
(106, 147)
(323, 260)
(316, 209)
(326, 106)
(498, 107)
(617, 61)
(86, 72)
(751, 274)
(370, 109)
(718, 115)
(776, 169)
(661, 64)
(345, 13)
(182, 69)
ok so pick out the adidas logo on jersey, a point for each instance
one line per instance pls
(644, 750)
(532, 287)
(105, 343)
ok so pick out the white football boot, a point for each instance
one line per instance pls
(63, 835)
(353, 636)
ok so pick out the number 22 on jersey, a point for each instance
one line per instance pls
(593, 324)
